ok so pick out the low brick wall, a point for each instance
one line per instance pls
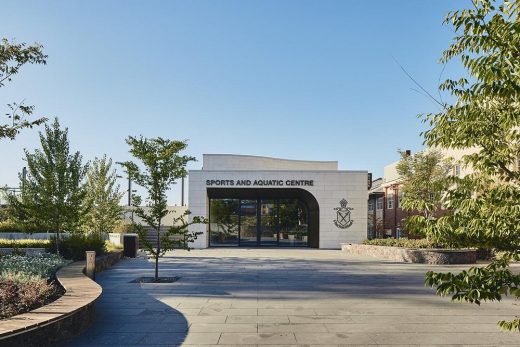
(68, 316)
(408, 255)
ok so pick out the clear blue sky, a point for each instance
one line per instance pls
(292, 79)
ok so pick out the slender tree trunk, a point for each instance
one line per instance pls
(158, 251)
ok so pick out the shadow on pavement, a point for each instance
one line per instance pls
(127, 314)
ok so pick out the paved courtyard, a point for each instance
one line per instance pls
(285, 297)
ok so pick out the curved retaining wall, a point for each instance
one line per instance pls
(408, 255)
(68, 316)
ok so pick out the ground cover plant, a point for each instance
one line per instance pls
(44, 265)
(27, 282)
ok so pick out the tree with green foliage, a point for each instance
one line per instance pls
(102, 198)
(484, 207)
(162, 165)
(422, 178)
(53, 192)
(12, 57)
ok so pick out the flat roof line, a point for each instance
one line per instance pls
(265, 157)
(295, 171)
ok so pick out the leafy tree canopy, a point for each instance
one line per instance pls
(485, 205)
(102, 198)
(12, 57)
(423, 183)
(53, 191)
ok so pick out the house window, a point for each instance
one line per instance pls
(370, 205)
(400, 198)
(456, 170)
(390, 201)
(380, 203)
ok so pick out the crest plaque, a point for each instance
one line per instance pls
(343, 220)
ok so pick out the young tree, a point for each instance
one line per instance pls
(423, 183)
(12, 57)
(484, 206)
(162, 165)
(53, 191)
(102, 198)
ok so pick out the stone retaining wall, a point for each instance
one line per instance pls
(68, 316)
(33, 236)
(408, 255)
(108, 260)
(26, 251)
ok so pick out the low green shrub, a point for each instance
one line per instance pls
(112, 247)
(75, 246)
(11, 226)
(406, 243)
(122, 228)
(21, 292)
(44, 265)
(24, 243)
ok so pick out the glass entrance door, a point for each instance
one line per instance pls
(258, 222)
(268, 223)
(248, 223)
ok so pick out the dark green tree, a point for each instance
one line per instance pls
(102, 198)
(485, 115)
(53, 192)
(161, 165)
(12, 57)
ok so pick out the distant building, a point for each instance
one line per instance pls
(385, 215)
(376, 203)
(253, 201)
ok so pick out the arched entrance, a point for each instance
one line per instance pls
(252, 217)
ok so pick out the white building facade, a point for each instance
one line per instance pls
(260, 202)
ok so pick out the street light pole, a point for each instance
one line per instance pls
(182, 191)
(129, 190)
(24, 177)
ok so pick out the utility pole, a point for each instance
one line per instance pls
(129, 190)
(182, 191)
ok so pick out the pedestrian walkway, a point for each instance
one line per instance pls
(285, 297)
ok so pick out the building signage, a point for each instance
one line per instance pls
(265, 183)
(343, 220)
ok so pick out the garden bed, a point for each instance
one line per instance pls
(63, 318)
(28, 282)
(414, 255)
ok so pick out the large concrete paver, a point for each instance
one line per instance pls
(285, 297)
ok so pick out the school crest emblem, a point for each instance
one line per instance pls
(343, 220)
